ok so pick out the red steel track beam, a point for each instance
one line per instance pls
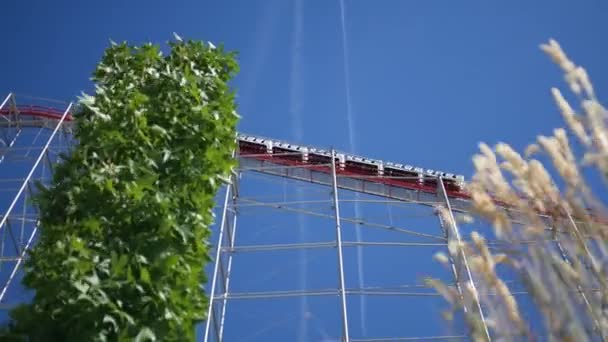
(53, 113)
(39, 111)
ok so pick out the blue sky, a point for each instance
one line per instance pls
(428, 79)
(419, 82)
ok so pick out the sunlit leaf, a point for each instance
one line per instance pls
(145, 335)
(144, 275)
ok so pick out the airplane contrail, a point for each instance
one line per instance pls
(295, 91)
(295, 109)
(353, 147)
(263, 39)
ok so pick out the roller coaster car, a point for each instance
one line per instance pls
(253, 145)
(317, 157)
(431, 178)
(452, 182)
(290, 152)
(460, 184)
(363, 166)
(401, 174)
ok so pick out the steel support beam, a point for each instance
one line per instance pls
(579, 236)
(216, 267)
(581, 290)
(231, 236)
(368, 185)
(461, 260)
(9, 140)
(4, 222)
(342, 290)
(455, 271)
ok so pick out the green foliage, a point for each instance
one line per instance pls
(125, 222)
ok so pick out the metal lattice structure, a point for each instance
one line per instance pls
(31, 139)
(341, 192)
(304, 248)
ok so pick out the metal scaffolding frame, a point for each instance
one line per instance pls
(225, 246)
(37, 140)
(460, 260)
(29, 146)
(462, 273)
(221, 272)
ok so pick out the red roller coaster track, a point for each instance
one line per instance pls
(39, 111)
(390, 186)
(280, 159)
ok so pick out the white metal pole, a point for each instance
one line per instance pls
(456, 235)
(218, 251)
(342, 290)
(6, 100)
(455, 272)
(577, 235)
(232, 235)
(10, 144)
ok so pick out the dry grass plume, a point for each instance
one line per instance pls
(558, 247)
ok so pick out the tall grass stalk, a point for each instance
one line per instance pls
(558, 247)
